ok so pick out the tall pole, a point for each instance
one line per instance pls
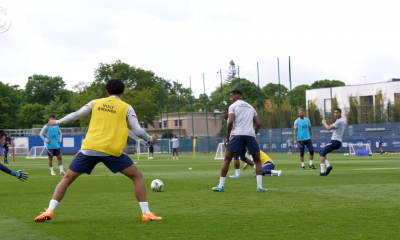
(222, 91)
(239, 77)
(280, 105)
(205, 103)
(259, 104)
(167, 126)
(291, 101)
(161, 107)
(179, 110)
(191, 103)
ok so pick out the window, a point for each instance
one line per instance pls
(165, 124)
(308, 104)
(328, 108)
(366, 104)
(180, 123)
(159, 125)
(176, 123)
(396, 97)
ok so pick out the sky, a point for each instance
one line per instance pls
(349, 40)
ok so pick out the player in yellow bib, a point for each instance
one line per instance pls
(104, 142)
(268, 166)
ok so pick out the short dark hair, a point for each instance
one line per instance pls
(237, 92)
(2, 133)
(301, 109)
(225, 109)
(115, 87)
(338, 109)
(52, 116)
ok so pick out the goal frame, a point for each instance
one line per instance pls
(35, 153)
(220, 154)
(364, 146)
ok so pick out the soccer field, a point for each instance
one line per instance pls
(360, 199)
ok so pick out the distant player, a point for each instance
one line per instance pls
(151, 151)
(289, 146)
(105, 142)
(6, 146)
(335, 143)
(239, 154)
(175, 147)
(304, 137)
(52, 136)
(242, 129)
(268, 166)
(20, 174)
(380, 141)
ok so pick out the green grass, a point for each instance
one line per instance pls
(360, 199)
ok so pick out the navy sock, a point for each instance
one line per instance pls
(5, 169)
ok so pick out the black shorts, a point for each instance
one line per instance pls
(332, 145)
(53, 152)
(237, 143)
(308, 144)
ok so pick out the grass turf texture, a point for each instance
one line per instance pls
(358, 200)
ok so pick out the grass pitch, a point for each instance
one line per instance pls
(360, 199)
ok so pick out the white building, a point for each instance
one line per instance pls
(364, 93)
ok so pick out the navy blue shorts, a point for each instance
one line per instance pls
(175, 150)
(236, 143)
(332, 145)
(380, 145)
(151, 149)
(53, 152)
(308, 144)
(85, 164)
(240, 154)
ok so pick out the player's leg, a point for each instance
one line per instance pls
(5, 155)
(302, 147)
(379, 148)
(177, 150)
(310, 148)
(230, 151)
(247, 163)
(58, 154)
(125, 165)
(236, 163)
(50, 158)
(80, 164)
(254, 150)
(173, 153)
(332, 145)
(268, 169)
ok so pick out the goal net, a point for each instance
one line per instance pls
(359, 149)
(162, 146)
(37, 152)
(220, 152)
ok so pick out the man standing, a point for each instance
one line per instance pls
(175, 147)
(380, 144)
(52, 135)
(335, 143)
(6, 146)
(303, 135)
(105, 142)
(289, 146)
(242, 129)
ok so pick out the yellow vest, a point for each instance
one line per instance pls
(108, 128)
(264, 158)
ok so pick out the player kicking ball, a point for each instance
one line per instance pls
(109, 122)
(52, 136)
(268, 166)
(335, 143)
(20, 174)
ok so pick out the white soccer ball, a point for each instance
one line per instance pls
(157, 185)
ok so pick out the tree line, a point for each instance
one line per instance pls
(29, 107)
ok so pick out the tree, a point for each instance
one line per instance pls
(353, 113)
(314, 114)
(9, 105)
(326, 83)
(144, 105)
(42, 89)
(299, 96)
(31, 114)
(271, 91)
(380, 111)
(231, 72)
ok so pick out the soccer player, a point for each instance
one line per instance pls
(303, 135)
(268, 166)
(151, 151)
(335, 143)
(104, 142)
(239, 154)
(289, 145)
(242, 129)
(20, 174)
(175, 146)
(51, 134)
(380, 141)
(6, 145)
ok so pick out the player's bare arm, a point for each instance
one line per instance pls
(328, 127)
(295, 136)
(256, 122)
(230, 126)
(311, 133)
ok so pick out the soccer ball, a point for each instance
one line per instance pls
(386, 153)
(157, 185)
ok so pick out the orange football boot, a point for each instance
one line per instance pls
(45, 216)
(150, 217)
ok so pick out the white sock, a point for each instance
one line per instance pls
(61, 168)
(221, 182)
(51, 169)
(310, 162)
(145, 207)
(237, 172)
(259, 181)
(254, 166)
(327, 163)
(274, 172)
(322, 168)
(53, 204)
(302, 164)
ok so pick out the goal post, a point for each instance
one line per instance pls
(37, 152)
(220, 155)
(359, 149)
